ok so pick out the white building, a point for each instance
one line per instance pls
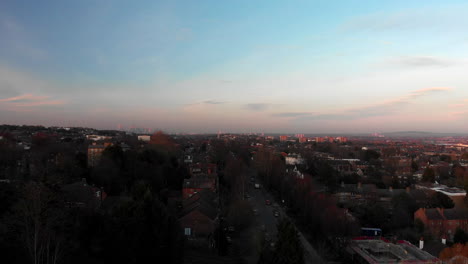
(144, 138)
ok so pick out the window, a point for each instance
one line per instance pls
(188, 231)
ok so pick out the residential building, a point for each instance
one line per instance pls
(95, 153)
(198, 217)
(442, 222)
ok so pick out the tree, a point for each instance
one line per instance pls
(460, 236)
(428, 175)
(373, 215)
(41, 224)
(414, 166)
(371, 155)
(440, 200)
(403, 209)
(141, 229)
(240, 214)
(456, 250)
(464, 156)
(162, 140)
(288, 248)
(419, 225)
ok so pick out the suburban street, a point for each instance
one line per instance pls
(266, 218)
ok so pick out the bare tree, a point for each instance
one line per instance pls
(39, 223)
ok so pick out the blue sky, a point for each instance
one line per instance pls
(241, 66)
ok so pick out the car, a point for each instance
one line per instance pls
(228, 239)
(231, 229)
(267, 202)
(276, 213)
(257, 186)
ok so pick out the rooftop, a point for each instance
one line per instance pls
(382, 251)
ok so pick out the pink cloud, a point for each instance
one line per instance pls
(30, 100)
(27, 97)
(456, 105)
(41, 103)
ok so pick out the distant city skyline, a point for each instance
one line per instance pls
(262, 66)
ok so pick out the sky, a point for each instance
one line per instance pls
(328, 66)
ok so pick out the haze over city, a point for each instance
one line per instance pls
(243, 66)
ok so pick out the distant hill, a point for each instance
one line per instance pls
(420, 134)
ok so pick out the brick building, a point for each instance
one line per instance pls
(443, 222)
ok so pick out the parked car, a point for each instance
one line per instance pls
(276, 213)
(231, 229)
(267, 202)
(257, 186)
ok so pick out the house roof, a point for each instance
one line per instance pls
(203, 201)
(434, 247)
(200, 181)
(433, 214)
(204, 196)
(455, 214)
(205, 209)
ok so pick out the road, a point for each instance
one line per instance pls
(266, 217)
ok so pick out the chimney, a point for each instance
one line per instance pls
(444, 240)
(421, 243)
(390, 189)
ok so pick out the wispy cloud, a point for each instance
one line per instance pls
(207, 102)
(212, 102)
(30, 100)
(257, 106)
(409, 20)
(384, 108)
(292, 114)
(457, 115)
(24, 97)
(42, 103)
(425, 91)
(419, 61)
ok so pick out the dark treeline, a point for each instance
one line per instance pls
(40, 221)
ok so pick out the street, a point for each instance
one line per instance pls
(266, 218)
